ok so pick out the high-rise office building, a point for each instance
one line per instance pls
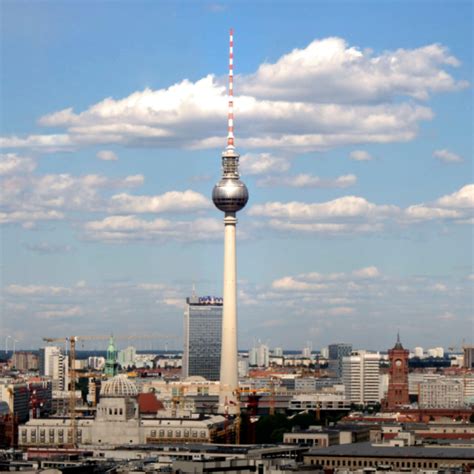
(468, 354)
(202, 337)
(55, 364)
(361, 377)
(126, 357)
(259, 355)
(335, 354)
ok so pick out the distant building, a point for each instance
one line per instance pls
(397, 394)
(468, 362)
(306, 352)
(96, 362)
(360, 375)
(126, 357)
(24, 361)
(278, 352)
(202, 337)
(259, 356)
(336, 352)
(436, 352)
(15, 394)
(40, 397)
(442, 393)
(418, 352)
(55, 364)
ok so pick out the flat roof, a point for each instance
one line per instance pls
(367, 450)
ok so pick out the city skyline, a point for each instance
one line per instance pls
(355, 143)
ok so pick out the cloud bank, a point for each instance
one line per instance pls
(361, 97)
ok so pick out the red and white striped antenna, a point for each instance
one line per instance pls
(230, 113)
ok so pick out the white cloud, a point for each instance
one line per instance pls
(290, 283)
(308, 181)
(348, 74)
(447, 316)
(324, 228)
(340, 311)
(61, 312)
(263, 163)
(367, 272)
(447, 156)
(28, 217)
(420, 212)
(344, 207)
(315, 281)
(360, 98)
(107, 155)
(130, 228)
(29, 198)
(11, 163)
(439, 287)
(173, 201)
(47, 248)
(462, 199)
(360, 155)
(356, 215)
(37, 290)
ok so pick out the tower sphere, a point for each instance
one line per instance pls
(230, 195)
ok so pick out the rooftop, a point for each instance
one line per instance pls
(367, 450)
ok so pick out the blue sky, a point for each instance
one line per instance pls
(354, 123)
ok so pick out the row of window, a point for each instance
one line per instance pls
(111, 411)
(178, 434)
(53, 436)
(374, 463)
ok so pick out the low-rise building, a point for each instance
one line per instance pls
(441, 393)
(365, 455)
(118, 422)
(24, 361)
(15, 394)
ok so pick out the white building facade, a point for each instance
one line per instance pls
(361, 377)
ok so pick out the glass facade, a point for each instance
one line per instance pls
(336, 354)
(202, 337)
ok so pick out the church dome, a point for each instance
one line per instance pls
(118, 387)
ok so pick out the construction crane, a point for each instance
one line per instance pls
(72, 369)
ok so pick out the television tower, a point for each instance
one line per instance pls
(230, 195)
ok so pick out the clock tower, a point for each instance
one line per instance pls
(397, 394)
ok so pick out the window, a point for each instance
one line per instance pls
(203, 434)
(170, 433)
(162, 433)
(153, 433)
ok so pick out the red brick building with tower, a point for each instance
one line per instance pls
(397, 394)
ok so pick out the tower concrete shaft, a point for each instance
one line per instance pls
(230, 195)
(229, 382)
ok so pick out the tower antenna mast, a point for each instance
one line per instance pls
(230, 112)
